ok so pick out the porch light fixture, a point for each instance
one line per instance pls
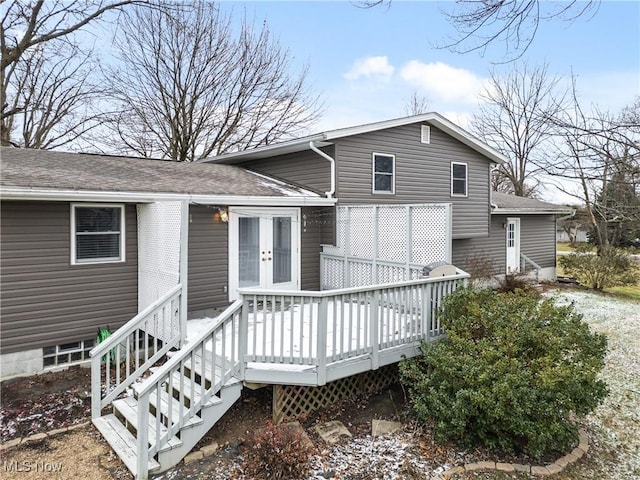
(221, 214)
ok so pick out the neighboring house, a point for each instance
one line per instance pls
(579, 233)
(87, 241)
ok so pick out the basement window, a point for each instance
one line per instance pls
(66, 354)
(97, 233)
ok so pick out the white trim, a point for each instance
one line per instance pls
(517, 211)
(232, 251)
(122, 233)
(374, 173)
(466, 179)
(301, 144)
(515, 221)
(50, 194)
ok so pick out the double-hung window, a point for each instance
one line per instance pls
(384, 169)
(459, 179)
(97, 233)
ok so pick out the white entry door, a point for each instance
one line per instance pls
(263, 249)
(513, 245)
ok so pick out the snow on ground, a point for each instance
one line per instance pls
(615, 425)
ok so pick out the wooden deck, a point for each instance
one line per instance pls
(271, 337)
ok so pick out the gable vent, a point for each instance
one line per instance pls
(425, 134)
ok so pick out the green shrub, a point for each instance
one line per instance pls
(277, 452)
(508, 374)
(613, 268)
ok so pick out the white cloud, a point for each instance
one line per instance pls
(377, 68)
(443, 81)
(462, 119)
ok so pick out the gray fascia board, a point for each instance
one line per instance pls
(528, 211)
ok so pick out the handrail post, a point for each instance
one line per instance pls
(427, 308)
(184, 264)
(375, 337)
(322, 341)
(96, 391)
(142, 440)
(243, 332)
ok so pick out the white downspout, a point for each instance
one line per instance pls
(332, 161)
(493, 167)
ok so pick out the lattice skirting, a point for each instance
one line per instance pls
(293, 401)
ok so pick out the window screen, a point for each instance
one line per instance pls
(459, 179)
(383, 173)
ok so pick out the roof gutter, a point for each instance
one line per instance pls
(332, 162)
(50, 194)
(492, 169)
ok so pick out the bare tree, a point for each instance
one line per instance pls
(514, 118)
(189, 86)
(26, 25)
(600, 153)
(514, 23)
(52, 96)
(416, 104)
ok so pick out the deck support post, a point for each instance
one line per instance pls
(375, 337)
(426, 311)
(183, 265)
(96, 392)
(322, 341)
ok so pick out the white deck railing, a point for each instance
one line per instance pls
(125, 355)
(213, 355)
(317, 329)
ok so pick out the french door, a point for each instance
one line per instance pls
(263, 249)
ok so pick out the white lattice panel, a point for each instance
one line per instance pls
(360, 274)
(391, 273)
(361, 234)
(332, 274)
(403, 237)
(158, 250)
(392, 233)
(429, 234)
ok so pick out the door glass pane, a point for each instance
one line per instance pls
(281, 249)
(249, 251)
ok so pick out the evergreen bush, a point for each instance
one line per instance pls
(509, 373)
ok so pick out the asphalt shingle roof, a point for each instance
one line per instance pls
(32, 168)
(524, 205)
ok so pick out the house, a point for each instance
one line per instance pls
(89, 240)
(331, 253)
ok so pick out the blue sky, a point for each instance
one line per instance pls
(367, 62)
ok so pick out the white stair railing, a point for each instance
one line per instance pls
(211, 360)
(124, 356)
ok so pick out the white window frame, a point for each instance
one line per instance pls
(466, 180)
(122, 233)
(374, 173)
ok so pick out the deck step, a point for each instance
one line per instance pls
(122, 441)
(128, 408)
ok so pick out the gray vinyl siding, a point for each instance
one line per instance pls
(46, 301)
(472, 254)
(208, 270)
(315, 221)
(537, 241)
(422, 174)
(306, 169)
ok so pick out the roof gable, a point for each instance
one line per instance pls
(328, 137)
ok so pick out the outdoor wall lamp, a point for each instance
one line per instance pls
(221, 214)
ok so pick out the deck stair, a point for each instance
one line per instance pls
(156, 391)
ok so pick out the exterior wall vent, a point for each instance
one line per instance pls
(425, 134)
